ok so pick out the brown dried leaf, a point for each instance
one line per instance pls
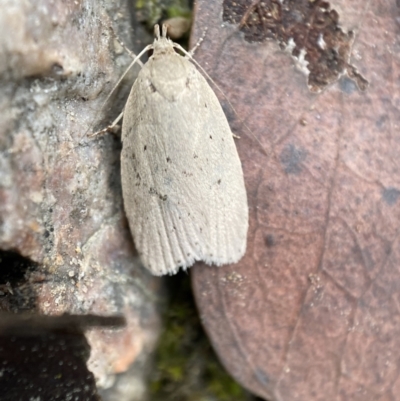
(312, 312)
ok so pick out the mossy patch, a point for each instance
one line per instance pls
(152, 12)
(186, 366)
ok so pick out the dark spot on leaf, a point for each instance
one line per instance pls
(152, 88)
(219, 181)
(210, 137)
(390, 195)
(368, 259)
(168, 160)
(262, 377)
(291, 158)
(269, 240)
(381, 121)
(195, 156)
(145, 147)
(347, 85)
(205, 105)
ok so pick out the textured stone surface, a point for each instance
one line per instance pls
(60, 195)
(312, 310)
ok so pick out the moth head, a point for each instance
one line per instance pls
(162, 44)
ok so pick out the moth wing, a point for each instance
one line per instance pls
(182, 179)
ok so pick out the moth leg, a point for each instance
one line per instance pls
(113, 127)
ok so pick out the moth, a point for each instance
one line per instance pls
(182, 180)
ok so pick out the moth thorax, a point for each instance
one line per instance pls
(163, 46)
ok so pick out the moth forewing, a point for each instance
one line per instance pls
(182, 180)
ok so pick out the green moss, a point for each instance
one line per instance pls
(179, 9)
(151, 12)
(186, 366)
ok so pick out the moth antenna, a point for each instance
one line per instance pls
(179, 47)
(195, 47)
(119, 40)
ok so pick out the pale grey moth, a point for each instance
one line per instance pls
(182, 179)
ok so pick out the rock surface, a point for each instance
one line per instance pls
(60, 194)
